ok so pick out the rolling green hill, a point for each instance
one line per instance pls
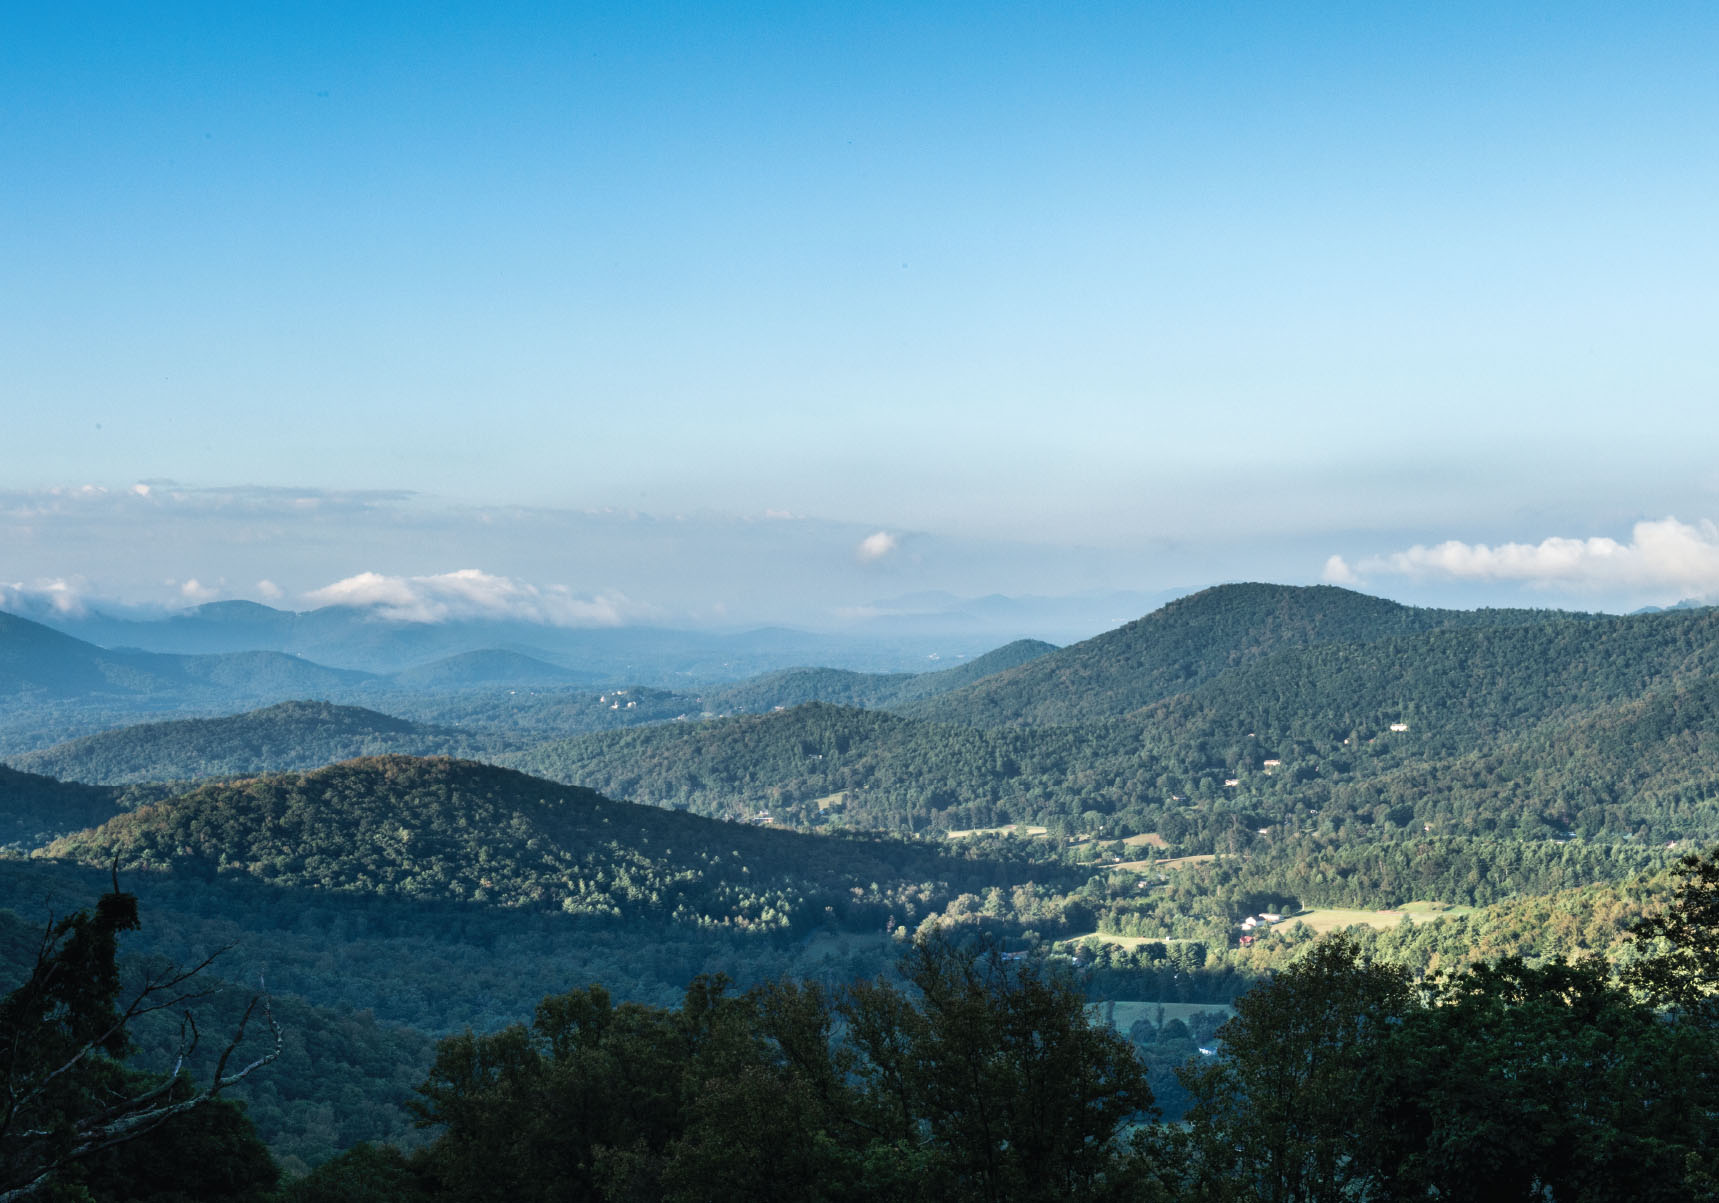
(450, 830)
(288, 735)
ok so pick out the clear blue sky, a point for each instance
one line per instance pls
(1208, 290)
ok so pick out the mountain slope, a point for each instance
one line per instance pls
(288, 735)
(1188, 642)
(476, 670)
(840, 687)
(868, 768)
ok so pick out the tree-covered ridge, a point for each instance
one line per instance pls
(1187, 642)
(861, 768)
(1452, 687)
(285, 736)
(438, 829)
(470, 670)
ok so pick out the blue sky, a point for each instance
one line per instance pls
(1058, 297)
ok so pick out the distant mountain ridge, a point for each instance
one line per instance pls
(278, 738)
(878, 691)
(38, 663)
(365, 640)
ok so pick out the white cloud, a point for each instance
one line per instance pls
(472, 593)
(1338, 572)
(876, 546)
(269, 590)
(195, 591)
(1663, 555)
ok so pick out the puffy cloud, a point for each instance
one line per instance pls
(195, 591)
(1338, 572)
(1662, 555)
(269, 590)
(876, 546)
(473, 593)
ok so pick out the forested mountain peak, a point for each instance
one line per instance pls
(1187, 642)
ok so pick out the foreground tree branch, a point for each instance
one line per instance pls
(64, 1094)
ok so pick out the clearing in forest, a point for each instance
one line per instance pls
(1335, 918)
(1174, 862)
(1010, 829)
(1104, 937)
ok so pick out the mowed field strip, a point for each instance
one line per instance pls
(1130, 942)
(1335, 918)
(1174, 862)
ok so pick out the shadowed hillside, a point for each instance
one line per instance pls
(35, 808)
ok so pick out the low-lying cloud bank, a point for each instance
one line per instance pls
(472, 593)
(1666, 555)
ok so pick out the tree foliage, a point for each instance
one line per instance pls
(66, 1099)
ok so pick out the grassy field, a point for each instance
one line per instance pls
(1150, 840)
(1174, 862)
(1335, 918)
(1011, 829)
(1104, 937)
